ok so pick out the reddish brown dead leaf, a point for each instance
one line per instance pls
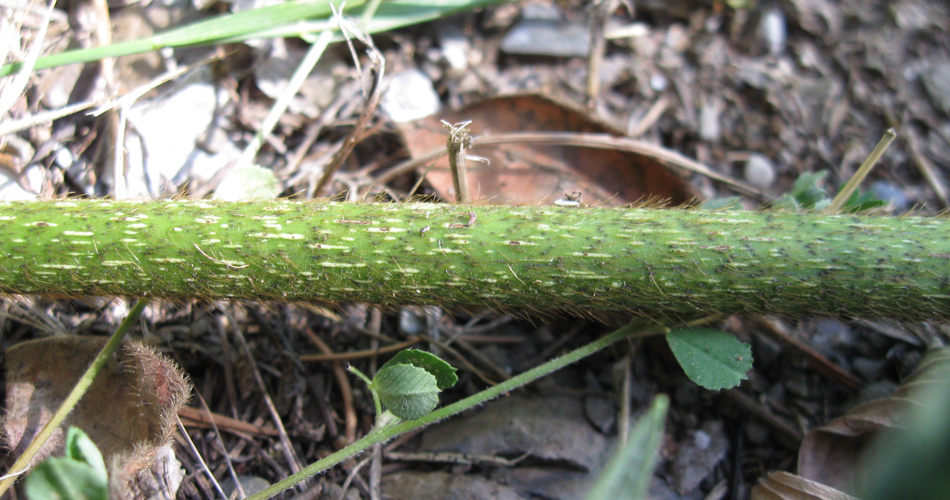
(785, 486)
(129, 411)
(542, 173)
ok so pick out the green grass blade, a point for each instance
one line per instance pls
(209, 31)
(287, 19)
(629, 472)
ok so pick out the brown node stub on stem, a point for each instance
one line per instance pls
(460, 140)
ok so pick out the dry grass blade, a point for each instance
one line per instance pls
(14, 88)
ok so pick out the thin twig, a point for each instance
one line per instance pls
(926, 168)
(16, 86)
(346, 391)
(600, 13)
(463, 360)
(852, 185)
(193, 417)
(226, 362)
(287, 448)
(217, 438)
(315, 128)
(361, 126)
(650, 118)
(201, 460)
(353, 355)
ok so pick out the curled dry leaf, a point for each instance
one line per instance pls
(129, 411)
(525, 173)
(836, 455)
(785, 486)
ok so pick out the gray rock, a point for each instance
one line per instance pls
(936, 82)
(551, 428)
(774, 31)
(542, 32)
(410, 96)
(759, 171)
(892, 195)
(697, 456)
(250, 484)
(443, 486)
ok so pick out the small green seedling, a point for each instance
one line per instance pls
(629, 472)
(808, 194)
(80, 475)
(409, 383)
(713, 359)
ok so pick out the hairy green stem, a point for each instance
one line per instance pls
(674, 263)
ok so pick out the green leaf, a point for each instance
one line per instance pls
(862, 201)
(80, 448)
(630, 470)
(806, 190)
(408, 391)
(444, 373)
(713, 359)
(786, 202)
(726, 203)
(80, 475)
(250, 183)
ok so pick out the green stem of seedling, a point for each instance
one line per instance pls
(74, 396)
(389, 432)
(369, 384)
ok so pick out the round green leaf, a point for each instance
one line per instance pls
(409, 392)
(79, 447)
(250, 183)
(66, 479)
(444, 373)
(712, 358)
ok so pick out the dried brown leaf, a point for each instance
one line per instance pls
(542, 173)
(787, 486)
(129, 411)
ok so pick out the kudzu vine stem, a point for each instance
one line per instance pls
(659, 263)
(380, 435)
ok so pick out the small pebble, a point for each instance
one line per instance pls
(893, 195)
(936, 82)
(709, 129)
(63, 158)
(774, 31)
(759, 171)
(830, 333)
(658, 82)
(756, 432)
(702, 439)
(410, 96)
(868, 368)
(411, 323)
(602, 413)
(542, 32)
(455, 50)
(250, 484)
